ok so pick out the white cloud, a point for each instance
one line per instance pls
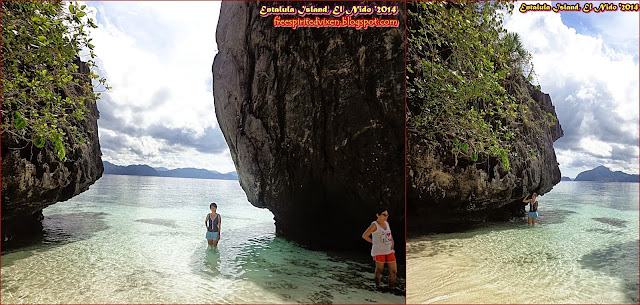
(592, 78)
(157, 56)
(597, 148)
(615, 28)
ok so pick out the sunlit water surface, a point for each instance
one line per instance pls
(131, 239)
(584, 249)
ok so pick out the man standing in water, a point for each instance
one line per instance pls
(533, 209)
(379, 235)
(212, 222)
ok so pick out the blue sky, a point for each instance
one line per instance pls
(588, 64)
(616, 29)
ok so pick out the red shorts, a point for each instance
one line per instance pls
(389, 258)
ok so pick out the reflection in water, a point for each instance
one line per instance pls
(211, 263)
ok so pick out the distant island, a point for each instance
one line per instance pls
(603, 174)
(565, 178)
(145, 170)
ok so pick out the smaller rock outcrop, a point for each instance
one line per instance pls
(146, 170)
(34, 178)
(444, 197)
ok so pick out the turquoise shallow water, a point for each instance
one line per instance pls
(584, 249)
(131, 239)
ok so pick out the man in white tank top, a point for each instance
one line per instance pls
(379, 235)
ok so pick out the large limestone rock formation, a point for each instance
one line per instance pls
(314, 119)
(444, 197)
(33, 178)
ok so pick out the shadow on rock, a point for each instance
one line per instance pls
(621, 261)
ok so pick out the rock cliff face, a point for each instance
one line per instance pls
(33, 178)
(442, 197)
(314, 119)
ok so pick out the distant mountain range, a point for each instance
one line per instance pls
(603, 174)
(145, 170)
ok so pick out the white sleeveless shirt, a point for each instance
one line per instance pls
(382, 240)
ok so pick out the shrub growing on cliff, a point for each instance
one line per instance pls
(463, 89)
(43, 86)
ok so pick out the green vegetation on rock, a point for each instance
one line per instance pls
(45, 86)
(465, 79)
